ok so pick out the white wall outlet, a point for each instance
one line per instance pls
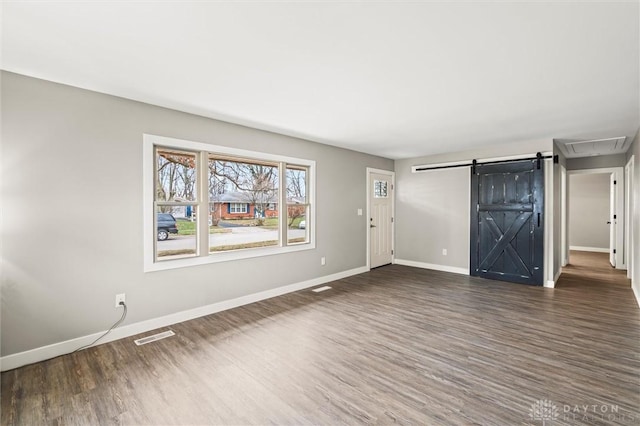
(444, 252)
(359, 212)
(323, 261)
(120, 298)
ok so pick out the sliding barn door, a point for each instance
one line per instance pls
(507, 223)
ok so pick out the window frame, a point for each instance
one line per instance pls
(203, 256)
(306, 206)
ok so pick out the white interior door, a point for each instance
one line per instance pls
(381, 219)
(612, 221)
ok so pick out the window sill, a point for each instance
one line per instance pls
(163, 265)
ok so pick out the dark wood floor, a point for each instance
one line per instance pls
(396, 345)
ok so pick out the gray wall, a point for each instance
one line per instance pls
(432, 208)
(72, 200)
(432, 213)
(598, 162)
(590, 208)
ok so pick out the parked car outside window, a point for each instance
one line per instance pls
(166, 226)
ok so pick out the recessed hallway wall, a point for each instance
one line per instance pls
(589, 206)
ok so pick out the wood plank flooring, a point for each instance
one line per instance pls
(396, 345)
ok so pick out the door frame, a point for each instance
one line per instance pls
(392, 175)
(618, 174)
(628, 218)
(564, 232)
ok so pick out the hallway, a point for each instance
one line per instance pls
(590, 270)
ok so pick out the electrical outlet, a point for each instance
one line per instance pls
(323, 261)
(120, 298)
(444, 252)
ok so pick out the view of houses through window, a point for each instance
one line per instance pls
(241, 206)
(176, 196)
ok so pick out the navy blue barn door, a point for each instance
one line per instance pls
(507, 223)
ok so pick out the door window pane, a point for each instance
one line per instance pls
(380, 189)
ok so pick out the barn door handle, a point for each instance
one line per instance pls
(538, 220)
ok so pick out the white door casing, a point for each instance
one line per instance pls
(564, 233)
(380, 208)
(612, 220)
(628, 217)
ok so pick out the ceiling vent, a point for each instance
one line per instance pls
(588, 148)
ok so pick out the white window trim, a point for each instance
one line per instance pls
(149, 236)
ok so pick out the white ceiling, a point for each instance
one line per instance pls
(396, 79)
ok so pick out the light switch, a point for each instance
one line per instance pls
(359, 212)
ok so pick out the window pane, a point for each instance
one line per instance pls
(297, 208)
(244, 234)
(176, 235)
(297, 223)
(380, 189)
(296, 185)
(176, 175)
(243, 204)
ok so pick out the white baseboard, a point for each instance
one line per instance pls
(12, 361)
(455, 270)
(552, 284)
(423, 265)
(636, 292)
(594, 249)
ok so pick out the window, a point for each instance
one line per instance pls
(175, 193)
(206, 203)
(238, 208)
(379, 189)
(255, 183)
(297, 204)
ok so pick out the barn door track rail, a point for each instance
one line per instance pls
(538, 157)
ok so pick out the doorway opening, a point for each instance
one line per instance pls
(595, 214)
